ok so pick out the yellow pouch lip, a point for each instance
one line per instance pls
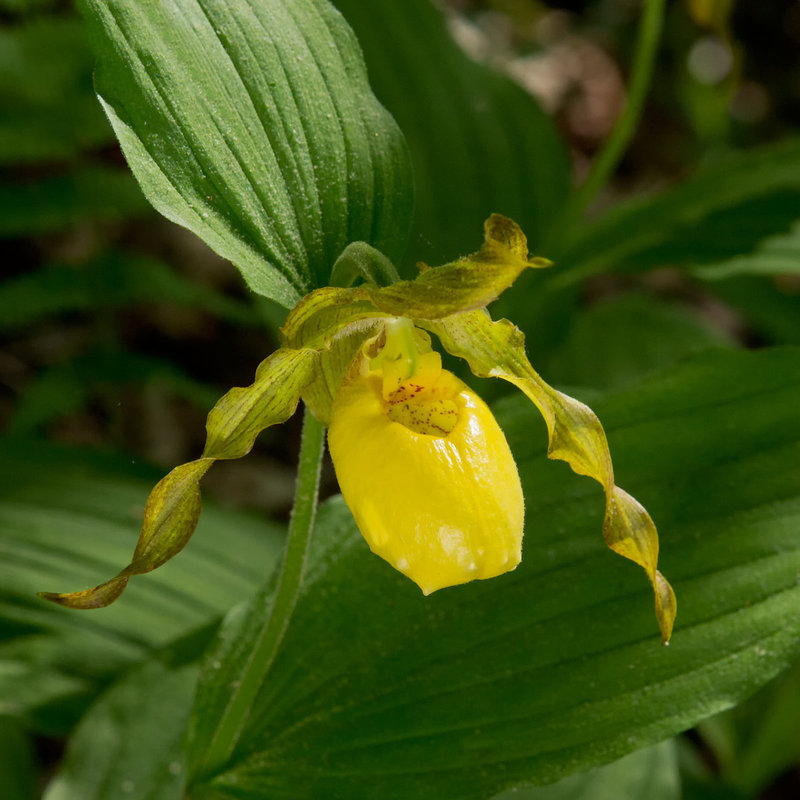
(442, 509)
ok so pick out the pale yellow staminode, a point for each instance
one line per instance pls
(427, 473)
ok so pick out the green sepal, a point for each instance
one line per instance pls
(173, 508)
(497, 350)
(170, 517)
(469, 283)
(241, 414)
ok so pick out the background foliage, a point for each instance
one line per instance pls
(674, 309)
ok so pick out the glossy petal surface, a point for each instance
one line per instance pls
(442, 509)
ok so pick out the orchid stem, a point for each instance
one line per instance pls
(265, 647)
(647, 41)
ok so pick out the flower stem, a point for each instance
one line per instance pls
(647, 40)
(265, 646)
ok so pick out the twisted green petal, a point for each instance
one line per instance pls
(496, 349)
(173, 508)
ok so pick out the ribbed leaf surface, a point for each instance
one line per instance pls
(252, 124)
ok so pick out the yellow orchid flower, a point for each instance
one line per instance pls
(420, 459)
(425, 468)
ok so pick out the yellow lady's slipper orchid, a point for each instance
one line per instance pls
(427, 472)
(421, 462)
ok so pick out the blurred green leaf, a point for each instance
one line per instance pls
(727, 209)
(556, 667)
(763, 736)
(771, 308)
(618, 341)
(253, 125)
(49, 108)
(774, 255)
(25, 6)
(129, 744)
(68, 518)
(479, 142)
(62, 389)
(17, 775)
(650, 773)
(113, 280)
(87, 194)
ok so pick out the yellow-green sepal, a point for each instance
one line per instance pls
(465, 284)
(496, 349)
(173, 508)
(170, 517)
(242, 413)
(468, 283)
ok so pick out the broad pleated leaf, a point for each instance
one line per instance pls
(761, 735)
(112, 280)
(650, 773)
(63, 389)
(480, 144)
(71, 517)
(17, 775)
(770, 308)
(775, 255)
(129, 744)
(552, 669)
(617, 341)
(252, 124)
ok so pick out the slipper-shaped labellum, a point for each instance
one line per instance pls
(427, 472)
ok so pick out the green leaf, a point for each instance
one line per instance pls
(252, 124)
(774, 255)
(764, 736)
(728, 209)
(17, 775)
(26, 6)
(129, 744)
(650, 773)
(86, 194)
(60, 390)
(69, 516)
(771, 308)
(481, 145)
(616, 342)
(49, 108)
(552, 669)
(113, 280)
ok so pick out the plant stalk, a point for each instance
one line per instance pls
(265, 647)
(646, 49)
